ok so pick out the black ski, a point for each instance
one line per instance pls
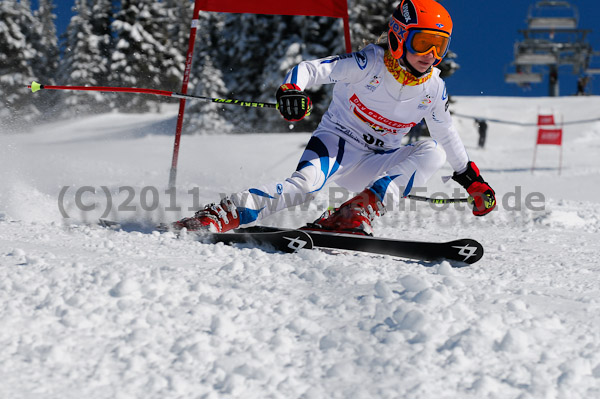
(465, 250)
(280, 240)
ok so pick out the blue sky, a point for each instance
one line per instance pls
(484, 36)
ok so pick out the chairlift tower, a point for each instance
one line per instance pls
(552, 39)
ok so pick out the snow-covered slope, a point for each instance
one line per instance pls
(91, 312)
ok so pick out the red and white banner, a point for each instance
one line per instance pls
(549, 136)
(549, 133)
(544, 120)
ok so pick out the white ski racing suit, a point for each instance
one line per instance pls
(357, 145)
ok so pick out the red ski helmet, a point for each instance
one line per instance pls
(420, 26)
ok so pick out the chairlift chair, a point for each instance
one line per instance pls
(552, 15)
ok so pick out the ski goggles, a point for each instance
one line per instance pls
(421, 42)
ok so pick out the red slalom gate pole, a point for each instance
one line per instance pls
(184, 88)
(35, 86)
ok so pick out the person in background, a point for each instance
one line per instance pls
(581, 84)
(482, 128)
(417, 131)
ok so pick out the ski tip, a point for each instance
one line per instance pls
(466, 250)
(35, 86)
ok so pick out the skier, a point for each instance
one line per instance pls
(482, 128)
(379, 94)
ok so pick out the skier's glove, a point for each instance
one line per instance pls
(484, 198)
(292, 102)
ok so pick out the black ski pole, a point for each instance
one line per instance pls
(441, 201)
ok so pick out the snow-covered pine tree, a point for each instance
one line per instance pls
(82, 64)
(46, 66)
(207, 80)
(242, 50)
(101, 39)
(256, 52)
(297, 38)
(178, 20)
(140, 51)
(448, 65)
(368, 20)
(47, 46)
(17, 57)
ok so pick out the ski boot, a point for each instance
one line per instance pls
(214, 218)
(353, 216)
